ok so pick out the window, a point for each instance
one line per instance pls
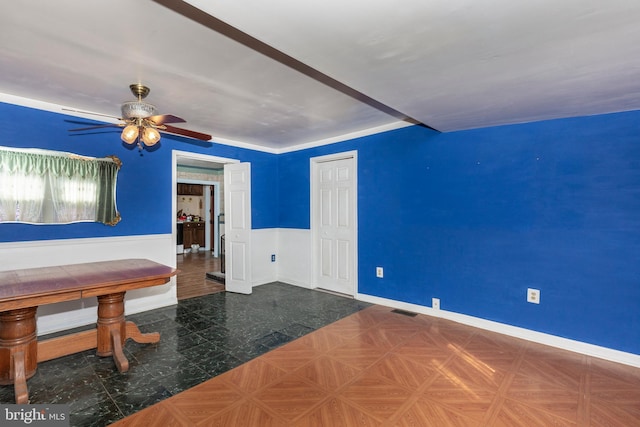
(51, 187)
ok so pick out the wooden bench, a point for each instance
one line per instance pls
(22, 291)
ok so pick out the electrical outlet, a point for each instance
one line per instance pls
(435, 303)
(273, 257)
(379, 272)
(533, 295)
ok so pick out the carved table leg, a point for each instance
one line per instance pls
(134, 333)
(118, 355)
(18, 349)
(113, 331)
(20, 380)
(112, 328)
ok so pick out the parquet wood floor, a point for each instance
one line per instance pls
(379, 368)
(191, 279)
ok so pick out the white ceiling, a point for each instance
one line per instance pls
(280, 74)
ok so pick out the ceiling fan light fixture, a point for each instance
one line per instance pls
(137, 110)
(130, 134)
(150, 136)
(141, 124)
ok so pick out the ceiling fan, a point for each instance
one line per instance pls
(141, 124)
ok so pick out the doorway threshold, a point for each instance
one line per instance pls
(217, 276)
(339, 294)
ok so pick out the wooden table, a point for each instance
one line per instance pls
(22, 291)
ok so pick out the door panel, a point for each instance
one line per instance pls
(343, 259)
(237, 205)
(326, 258)
(238, 267)
(326, 208)
(343, 212)
(237, 183)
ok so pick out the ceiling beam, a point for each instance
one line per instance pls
(191, 12)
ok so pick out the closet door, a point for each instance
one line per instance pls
(334, 225)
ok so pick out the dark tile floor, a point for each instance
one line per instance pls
(200, 338)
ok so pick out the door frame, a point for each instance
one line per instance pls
(176, 156)
(315, 220)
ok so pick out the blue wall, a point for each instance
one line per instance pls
(476, 217)
(473, 217)
(144, 181)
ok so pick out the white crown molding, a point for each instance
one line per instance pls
(47, 106)
(55, 108)
(347, 136)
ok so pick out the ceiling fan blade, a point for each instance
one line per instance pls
(165, 118)
(186, 132)
(97, 127)
(90, 113)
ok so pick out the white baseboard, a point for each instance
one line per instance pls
(513, 331)
(293, 282)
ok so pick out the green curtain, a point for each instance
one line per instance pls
(104, 172)
(106, 210)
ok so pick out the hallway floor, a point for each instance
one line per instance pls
(192, 281)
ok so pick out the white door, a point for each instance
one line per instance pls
(237, 200)
(334, 224)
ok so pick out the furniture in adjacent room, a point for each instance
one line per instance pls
(179, 238)
(190, 189)
(193, 233)
(22, 291)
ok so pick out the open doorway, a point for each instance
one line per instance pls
(198, 196)
(199, 207)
